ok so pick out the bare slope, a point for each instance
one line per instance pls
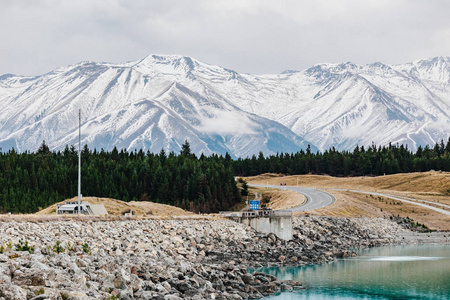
(277, 199)
(118, 207)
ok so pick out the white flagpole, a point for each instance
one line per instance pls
(79, 161)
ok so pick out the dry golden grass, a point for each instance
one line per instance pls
(284, 199)
(278, 199)
(160, 209)
(347, 206)
(430, 186)
(426, 182)
(355, 205)
(118, 208)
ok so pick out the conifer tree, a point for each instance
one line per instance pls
(244, 190)
(186, 149)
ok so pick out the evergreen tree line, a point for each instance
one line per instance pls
(361, 161)
(30, 181)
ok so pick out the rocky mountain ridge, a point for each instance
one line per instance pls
(162, 100)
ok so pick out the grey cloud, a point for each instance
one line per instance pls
(248, 36)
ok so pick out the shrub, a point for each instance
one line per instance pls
(69, 247)
(85, 247)
(58, 248)
(65, 296)
(21, 246)
(41, 291)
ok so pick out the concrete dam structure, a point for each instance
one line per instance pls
(265, 221)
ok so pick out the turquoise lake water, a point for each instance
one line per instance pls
(394, 272)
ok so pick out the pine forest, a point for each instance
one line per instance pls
(31, 181)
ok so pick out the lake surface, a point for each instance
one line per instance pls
(393, 272)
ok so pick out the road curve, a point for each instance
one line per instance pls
(314, 198)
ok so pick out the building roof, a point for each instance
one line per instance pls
(71, 206)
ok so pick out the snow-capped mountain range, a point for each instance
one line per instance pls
(162, 100)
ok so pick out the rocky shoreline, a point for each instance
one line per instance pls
(169, 259)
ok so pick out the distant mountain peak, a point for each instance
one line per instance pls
(433, 69)
(289, 72)
(378, 64)
(434, 60)
(162, 100)
(6, 76)
(167, 63)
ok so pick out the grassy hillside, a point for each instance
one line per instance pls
(426, 182)
(118, 207)
(430, 186)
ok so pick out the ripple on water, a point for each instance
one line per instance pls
(384, 273)
(403, 258)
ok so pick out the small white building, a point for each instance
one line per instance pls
(71, 208)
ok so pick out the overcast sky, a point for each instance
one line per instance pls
(37, 36)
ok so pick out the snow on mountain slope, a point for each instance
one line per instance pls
(343, 105)
(160, 101)
(150, 104)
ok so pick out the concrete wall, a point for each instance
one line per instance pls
(98, 209)
(281, 226)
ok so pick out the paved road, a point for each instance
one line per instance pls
(423, 201)
(404, 199)
(314, 198)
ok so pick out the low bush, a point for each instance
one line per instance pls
(57, 248)
(86, 248)
(21, 246)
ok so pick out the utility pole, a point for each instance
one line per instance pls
(79, 161)
(297, 180)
